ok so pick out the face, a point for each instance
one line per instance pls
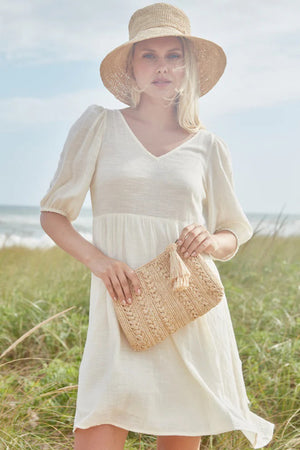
(158, 66)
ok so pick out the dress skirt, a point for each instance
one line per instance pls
(190, 384)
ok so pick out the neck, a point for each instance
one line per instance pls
(157, 113)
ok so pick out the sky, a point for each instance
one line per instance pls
(50, 52)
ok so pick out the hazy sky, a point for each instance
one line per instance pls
(50, 51)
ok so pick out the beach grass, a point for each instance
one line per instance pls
(44, 305)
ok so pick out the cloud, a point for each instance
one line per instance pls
(38, 32)
(43, 31)
(261, 41)
(21, 112)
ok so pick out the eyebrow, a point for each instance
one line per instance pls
(152, 50)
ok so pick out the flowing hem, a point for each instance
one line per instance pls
(252, 436)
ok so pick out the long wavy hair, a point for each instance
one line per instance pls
(186, 98)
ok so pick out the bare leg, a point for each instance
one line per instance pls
(100, 437)
(178, 442)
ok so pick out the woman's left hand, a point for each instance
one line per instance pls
(195, 239)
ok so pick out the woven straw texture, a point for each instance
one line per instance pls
(159, 311)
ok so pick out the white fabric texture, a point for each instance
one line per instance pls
(192, 383)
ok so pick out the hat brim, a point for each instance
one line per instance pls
(211, 61)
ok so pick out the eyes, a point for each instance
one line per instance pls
(170, 56)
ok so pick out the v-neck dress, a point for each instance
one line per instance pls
(192, 383)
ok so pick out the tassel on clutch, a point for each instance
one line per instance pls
(174, 292)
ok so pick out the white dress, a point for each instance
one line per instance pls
(192, 383)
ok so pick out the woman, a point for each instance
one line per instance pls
(155, 175)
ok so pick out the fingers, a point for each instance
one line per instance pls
(208, 245)
(184, 235)
(121, 291)
(133, 277)
(109, 287)
(190, 239)
(118, 284)
(195, 239)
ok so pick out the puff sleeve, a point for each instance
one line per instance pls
(76, 165)
(224, 211)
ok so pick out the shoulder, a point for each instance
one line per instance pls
(218, 155)
(216, 146)
(93, 111)
(91, 116)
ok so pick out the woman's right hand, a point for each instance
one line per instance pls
(116, 275)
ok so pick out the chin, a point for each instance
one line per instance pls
(161, 93)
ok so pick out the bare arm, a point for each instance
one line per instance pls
(61, 231)
(114, 273)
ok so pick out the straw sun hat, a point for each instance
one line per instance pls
(157, 20)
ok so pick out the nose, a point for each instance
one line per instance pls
(162, 69)
(161, 66)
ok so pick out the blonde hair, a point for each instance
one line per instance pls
(186, 98)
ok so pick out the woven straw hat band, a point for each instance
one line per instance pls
(160, 14)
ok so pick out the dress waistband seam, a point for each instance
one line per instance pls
(139, 215)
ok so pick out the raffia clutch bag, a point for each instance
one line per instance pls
(174, 292)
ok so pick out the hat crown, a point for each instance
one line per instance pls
(158, 15)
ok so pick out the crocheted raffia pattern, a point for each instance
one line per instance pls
(159, 310)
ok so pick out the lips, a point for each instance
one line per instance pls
(161, 81)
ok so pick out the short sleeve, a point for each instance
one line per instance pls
(224, 211)
(71, 181)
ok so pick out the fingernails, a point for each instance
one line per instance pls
(129, 300)
(138, 292)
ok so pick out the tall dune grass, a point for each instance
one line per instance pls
(38, 377)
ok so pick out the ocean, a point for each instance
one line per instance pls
(20, 225)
